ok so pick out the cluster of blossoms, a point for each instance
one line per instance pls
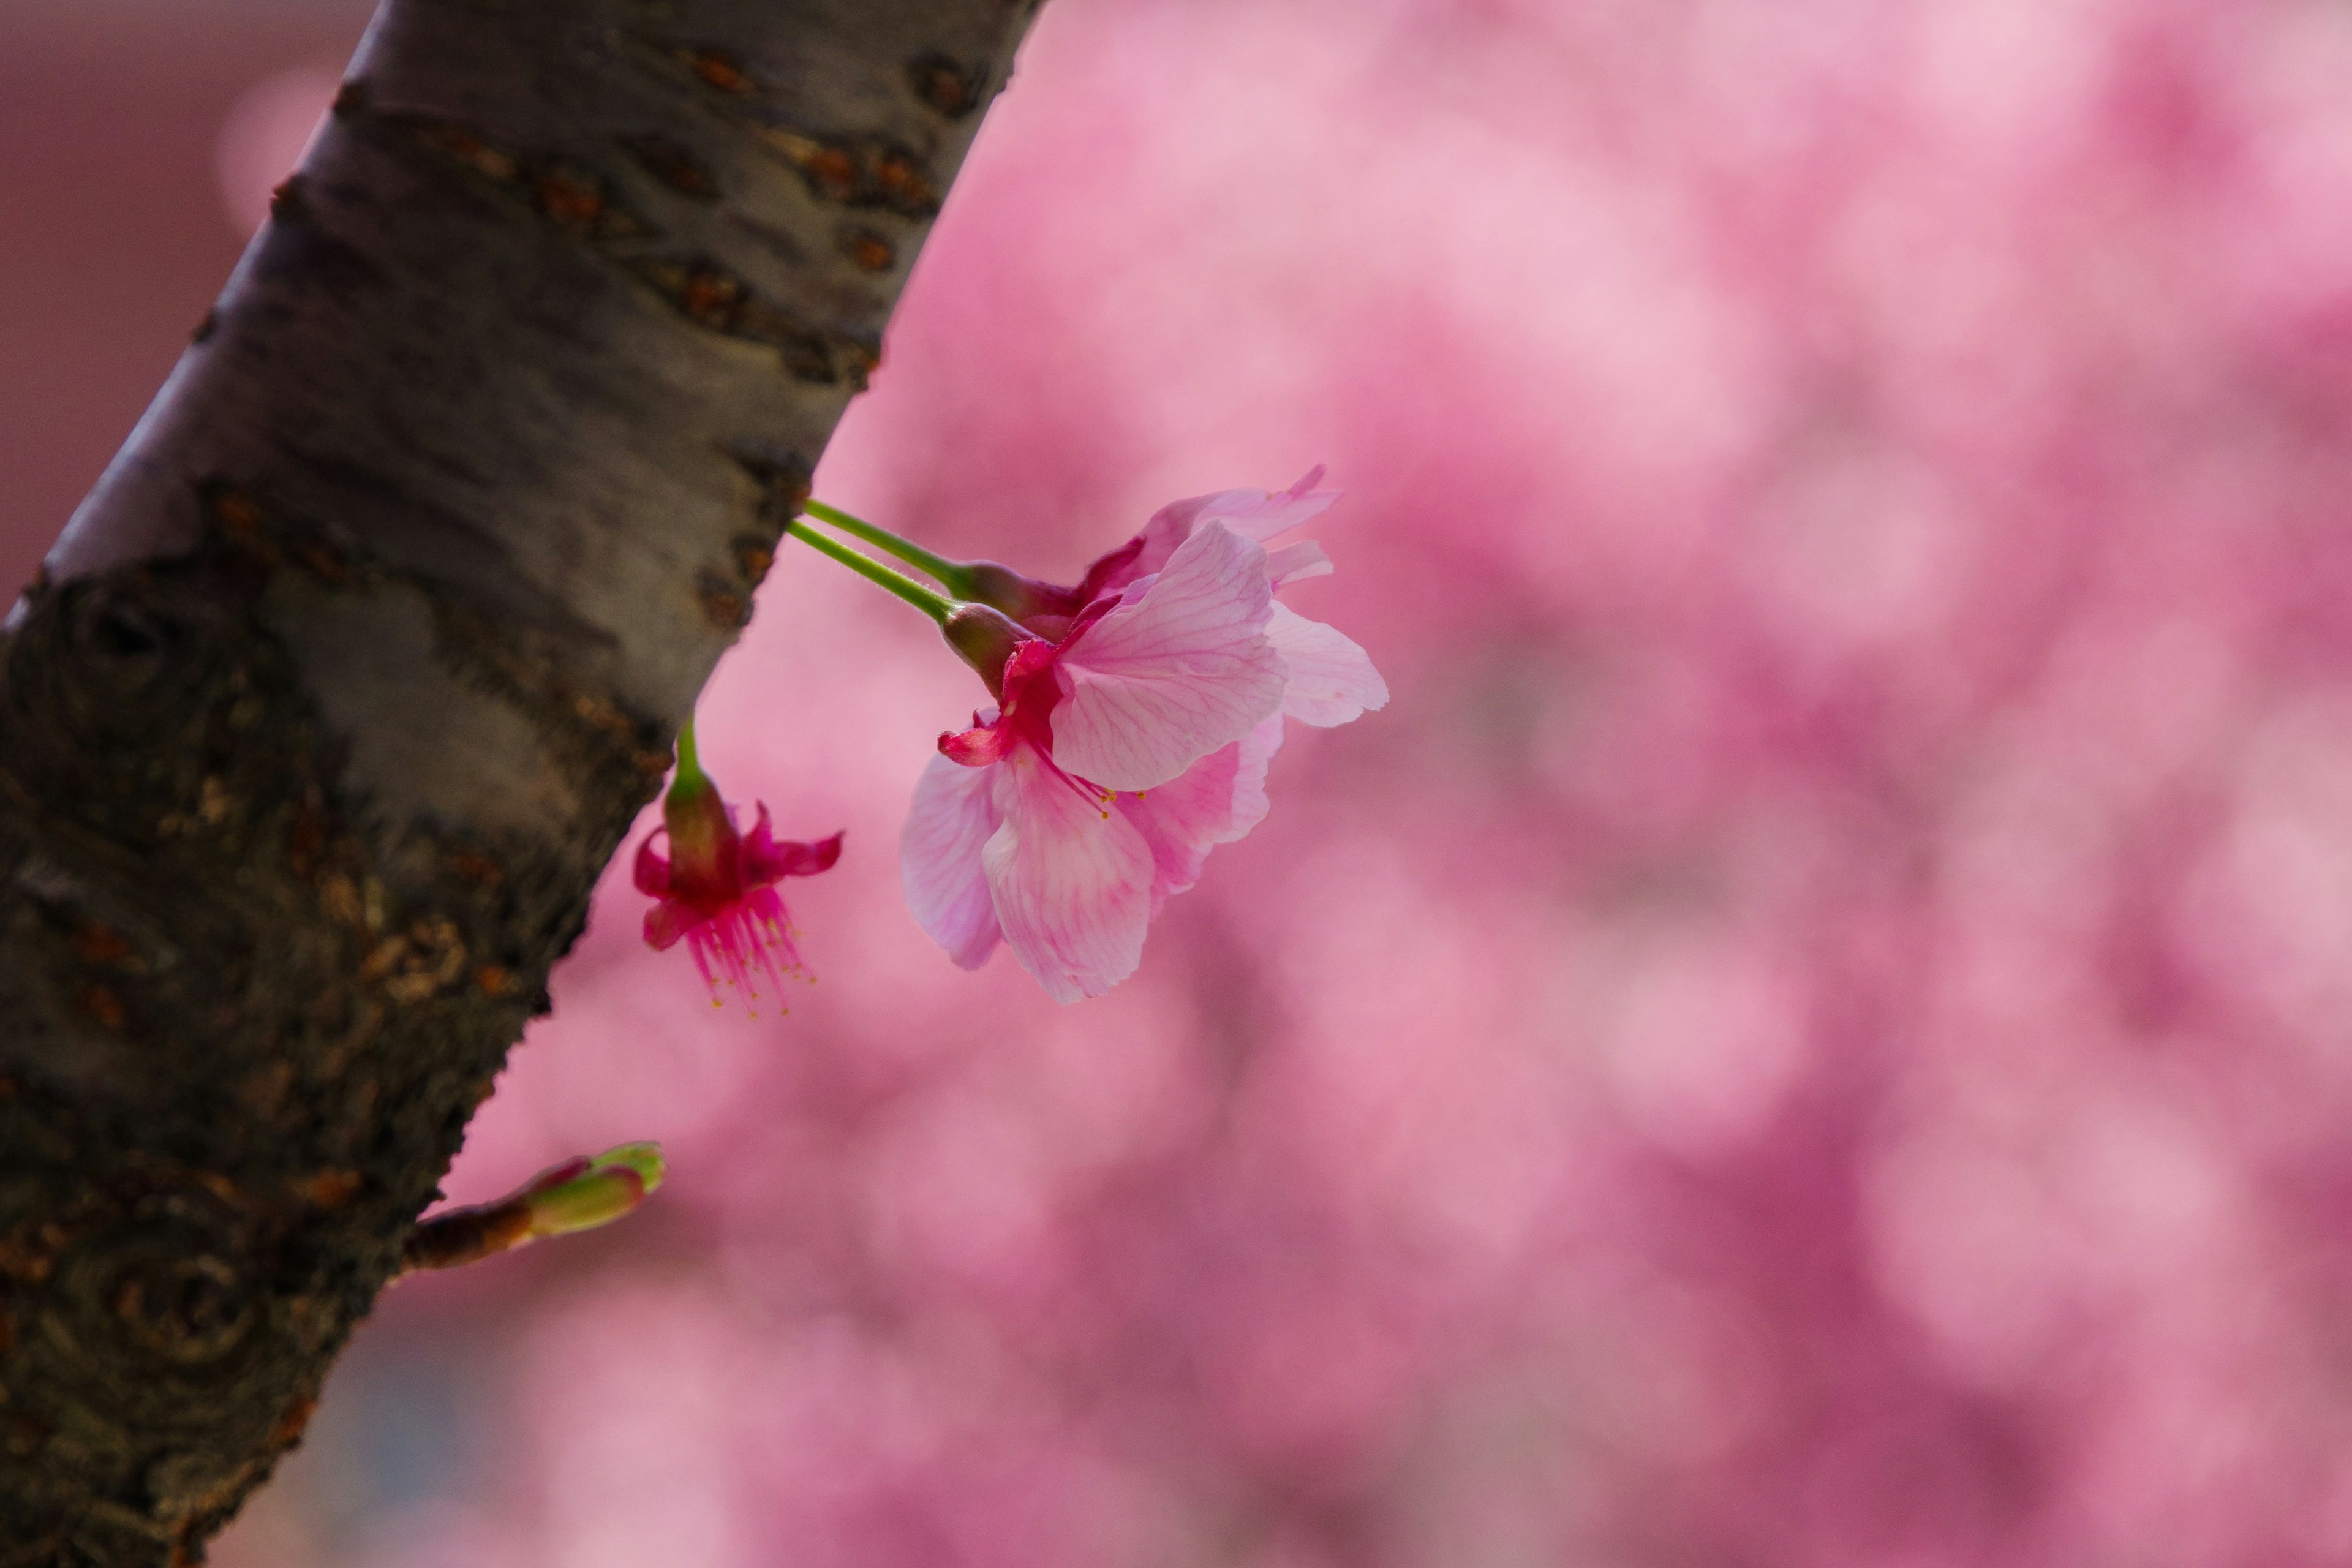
(1135, 716)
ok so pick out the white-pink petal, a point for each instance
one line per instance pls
(1253, 514)
(1180, 669)
(1331, 679)
(1217, 801)
(1072, 883)
(952, 818)
(1294, 563)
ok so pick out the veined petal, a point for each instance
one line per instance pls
(1331, 681)
(1250, 801)
(1072, 881)
(1173, 673)
(1217, 801)
(1260, 516)
(1253, 514)
(953, 816)
(1296, 562)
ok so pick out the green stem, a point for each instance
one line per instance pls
(689, 766)
(948, 572)
(931, 601)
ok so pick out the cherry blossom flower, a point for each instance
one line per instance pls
(1060, 822)
(1136, 715)
(1331, 679)
(1064, 822)
(717, 888)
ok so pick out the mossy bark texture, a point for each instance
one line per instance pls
(342, 687)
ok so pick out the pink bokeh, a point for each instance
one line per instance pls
(1815, 1030)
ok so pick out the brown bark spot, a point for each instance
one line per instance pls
(602, 713)
(673, 165)
(723, 605)
(753, 556)
(832, 172)
(96, 944)
(331, 1189)
(476, 868)
(905, 184)
(569, 202)
(238, 515)
(718, 301)
(472, 151)
(206, 327)
(292, 1425)
(944, 85)
(493, 980)
(721, 72)
(710, 297)
(870, 251)
(101, 1005)
(324, 563)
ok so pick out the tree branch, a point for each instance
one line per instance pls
(343, 686)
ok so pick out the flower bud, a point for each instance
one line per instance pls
(1001, 588)
(986, 638)
(570, 1198)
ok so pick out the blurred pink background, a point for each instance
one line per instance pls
(1816, 1030)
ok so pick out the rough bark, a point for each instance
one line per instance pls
(342, 687)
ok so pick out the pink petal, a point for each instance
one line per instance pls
(808, 859)
(1178, 671)
(652, 871)
(1297, 562)
(1332, 681)
(953, 814)
(1250, 801)
(770, 861)
(665, 923)
(1072, 881)
(981, 746)
(1253, 514)
(1217, 801)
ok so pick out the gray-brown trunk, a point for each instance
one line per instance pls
(343, 686)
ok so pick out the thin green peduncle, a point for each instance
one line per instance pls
(689, 766)
(930, 601)
(950, 573)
